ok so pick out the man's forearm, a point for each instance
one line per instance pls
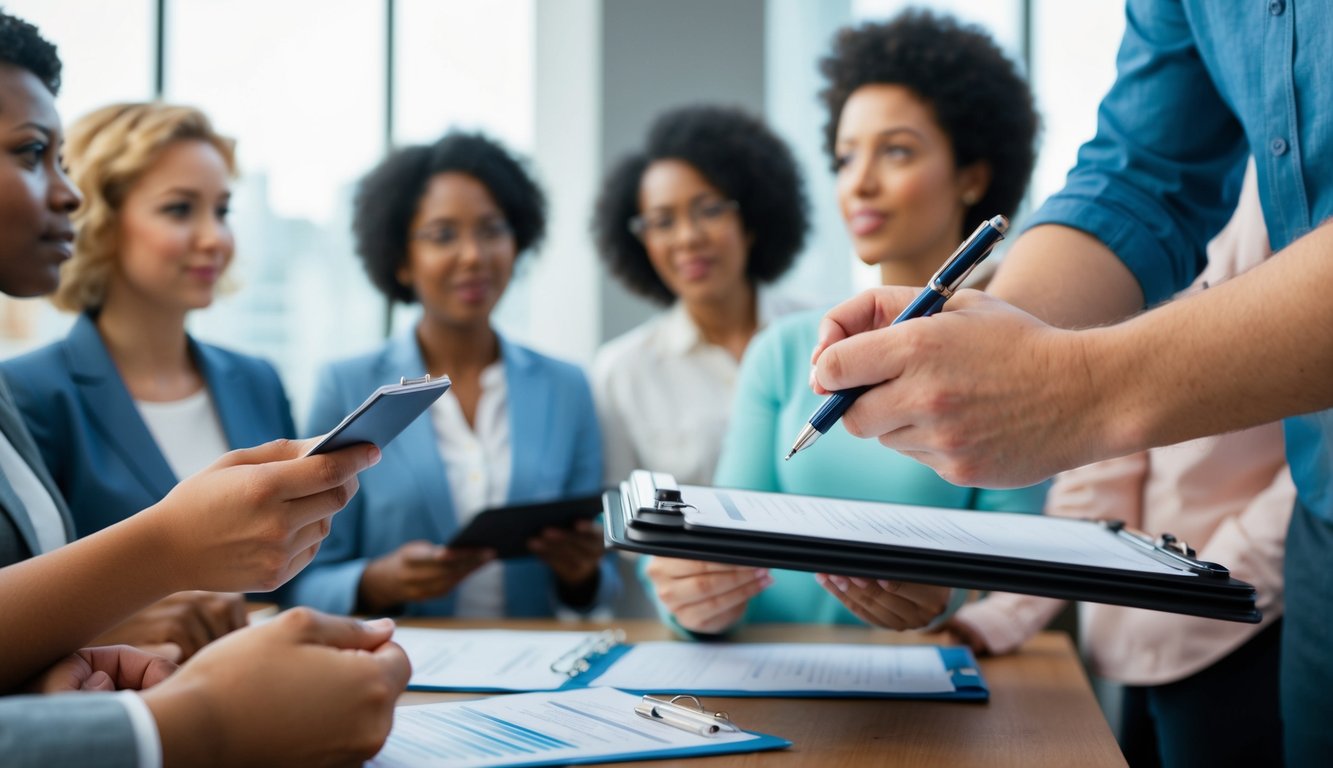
(1067, 278)
(1252, 350)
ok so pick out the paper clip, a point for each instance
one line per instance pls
(579, 659)
(696, 720)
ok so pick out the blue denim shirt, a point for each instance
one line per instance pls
(1200, 85)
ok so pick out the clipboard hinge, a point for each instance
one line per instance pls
(695, 719)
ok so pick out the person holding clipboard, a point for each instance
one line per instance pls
(443, 225)
(1061, 337)
(923, 154)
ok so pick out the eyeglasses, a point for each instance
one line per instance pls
(658, 224)
(487, 233)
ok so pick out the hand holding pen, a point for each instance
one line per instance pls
(931, 300)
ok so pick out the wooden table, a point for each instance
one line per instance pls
(1041, 711)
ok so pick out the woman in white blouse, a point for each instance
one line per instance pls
(128, 403)
(710, 208)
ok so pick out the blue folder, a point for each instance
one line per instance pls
(968, 683)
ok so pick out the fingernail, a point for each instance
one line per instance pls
(839, 582)
(378, 625)
(374, 455)
(888, 586)
(765, 581)
(812, 377)
(860, 582)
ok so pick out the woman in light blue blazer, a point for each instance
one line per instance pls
(442, 225)
(128, 403)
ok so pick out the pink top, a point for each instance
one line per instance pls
(1230, 496)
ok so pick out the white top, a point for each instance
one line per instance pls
(663, 395)
(146, 738)
(41, 508)
(478, 464)
(187, 431)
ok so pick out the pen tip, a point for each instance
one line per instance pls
(790, 454)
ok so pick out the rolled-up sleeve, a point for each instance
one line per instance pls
(1163, 172)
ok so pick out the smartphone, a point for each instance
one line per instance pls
(507, 529)
(384, 414)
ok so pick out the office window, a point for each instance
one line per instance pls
(1073, 64)
(461, 64)
(300, 85)
(1003, 18)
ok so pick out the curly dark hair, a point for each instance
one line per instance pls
(979, 98)
(386, 200)
(23, 46)
(740, 156)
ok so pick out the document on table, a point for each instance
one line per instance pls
(787, 668)
(1030, 537)
(490, 660)
(531, 729)
(516, 660)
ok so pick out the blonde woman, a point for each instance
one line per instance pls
(128, 404)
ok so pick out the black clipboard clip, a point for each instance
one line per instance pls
(655, 501)
(694, 719)
(1167, 549)
(579, 659)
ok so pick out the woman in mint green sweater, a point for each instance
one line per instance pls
(923, 152)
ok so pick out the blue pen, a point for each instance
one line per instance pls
(931, 300)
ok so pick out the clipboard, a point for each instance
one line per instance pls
(651, 514)
(596, 725)
(457, 661)
(384, 414)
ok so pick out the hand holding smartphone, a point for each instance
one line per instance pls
(384, 414)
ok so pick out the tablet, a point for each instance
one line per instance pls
(384, 414)
(507, 529)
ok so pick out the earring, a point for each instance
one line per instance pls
(970, 198)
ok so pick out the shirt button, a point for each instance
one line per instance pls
(1278, 146)
(1276, 7)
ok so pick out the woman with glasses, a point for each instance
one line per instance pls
(698, 221)
(930, 130)
(128, 403)
(443, 225)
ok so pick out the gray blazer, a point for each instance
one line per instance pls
(18, 539)
(71, 729)
(91, 730)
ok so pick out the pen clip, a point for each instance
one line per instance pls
(694, 719)
(946, 287)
